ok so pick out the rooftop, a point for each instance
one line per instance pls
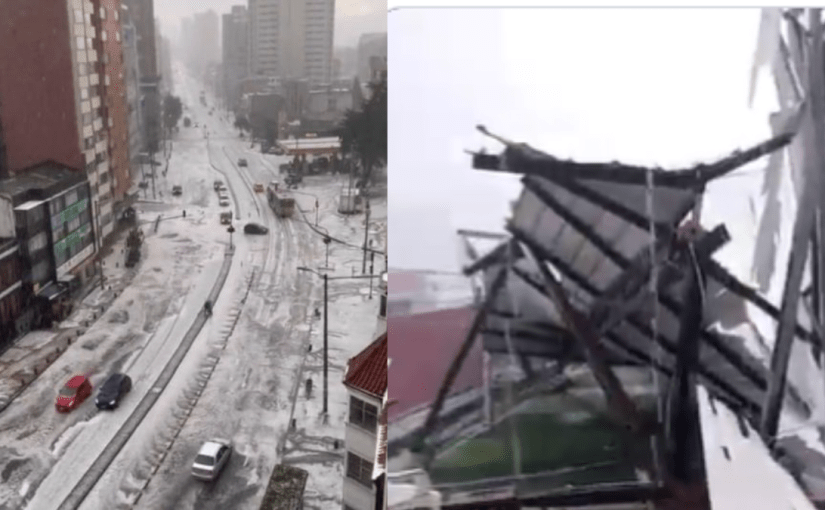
(367, 370)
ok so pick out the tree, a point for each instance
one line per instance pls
(172, 111)
(242, 123)
(363, 132)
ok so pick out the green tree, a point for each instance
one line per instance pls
(172, 111)
(363, 131)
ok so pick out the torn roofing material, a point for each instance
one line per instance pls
(595, 232)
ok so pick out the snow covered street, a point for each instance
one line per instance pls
(239, 376)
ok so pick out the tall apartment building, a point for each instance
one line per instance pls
(202, 42)
(235, 54)
(114, 186)
(133, 97)
(142, 15)
(52, 92)
(372, 48)
(292, 39)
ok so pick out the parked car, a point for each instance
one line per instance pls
(73, 393)
(177, 191)
(211, 459)
(112, 391)
(218, 184)
(224, 202)
(242, 162)
(255, 229)
(259, 188)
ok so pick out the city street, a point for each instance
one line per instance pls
(239, 377)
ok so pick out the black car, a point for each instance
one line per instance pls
(254, 228)
(177, 191)
(114, 389)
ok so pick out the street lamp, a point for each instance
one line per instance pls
(326, 338)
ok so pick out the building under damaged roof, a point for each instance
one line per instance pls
(655, 390)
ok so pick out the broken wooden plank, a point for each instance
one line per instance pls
(617, 399)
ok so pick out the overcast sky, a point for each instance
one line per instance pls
(664, 87)
(352, 17)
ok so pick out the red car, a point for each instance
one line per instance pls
(73, 393)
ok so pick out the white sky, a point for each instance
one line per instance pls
(352, 17)
(662, 87)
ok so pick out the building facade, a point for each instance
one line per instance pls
(366, 382)
(142, 15)
(133, 98)
(56, 91)
(12, 298)
(114, 185)
(292, 39)
(235, 55)
(370, 48)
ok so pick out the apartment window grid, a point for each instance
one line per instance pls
(359, 470)
(363, 414)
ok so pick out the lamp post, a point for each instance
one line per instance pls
(366, 235)
(231, 229)
(326, 338)
(326, 327)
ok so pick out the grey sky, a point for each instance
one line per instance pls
(664, 87)
(352, 17)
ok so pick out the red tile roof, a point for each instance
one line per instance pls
(367, 370)
(423, 346)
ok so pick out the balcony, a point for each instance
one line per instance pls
(98, 124)
(94, 79)
(100, 147)
(95, 102)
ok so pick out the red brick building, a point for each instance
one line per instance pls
(421, 350)
(114, 108)
(37, 99)
(53, 92)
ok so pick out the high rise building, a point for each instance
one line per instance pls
(203, 42)
(114, 111)
(142, 15)
(56, 104)
(292, 39)
(372, 48)
(235, 54)
(132, 81)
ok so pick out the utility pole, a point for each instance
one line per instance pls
(372, 268)
(366, 235)
(326, 346)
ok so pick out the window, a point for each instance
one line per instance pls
(81, 43)
(359, 469)
(84, 93)
(104, 35)
(78, 16)
(363, 414)
(117, 34)
(102, 12)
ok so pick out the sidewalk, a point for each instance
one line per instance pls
(34, 352)
(313, 445)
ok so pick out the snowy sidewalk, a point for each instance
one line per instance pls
(31, 354)
(311, 444)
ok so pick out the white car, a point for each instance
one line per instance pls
(211, 459)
